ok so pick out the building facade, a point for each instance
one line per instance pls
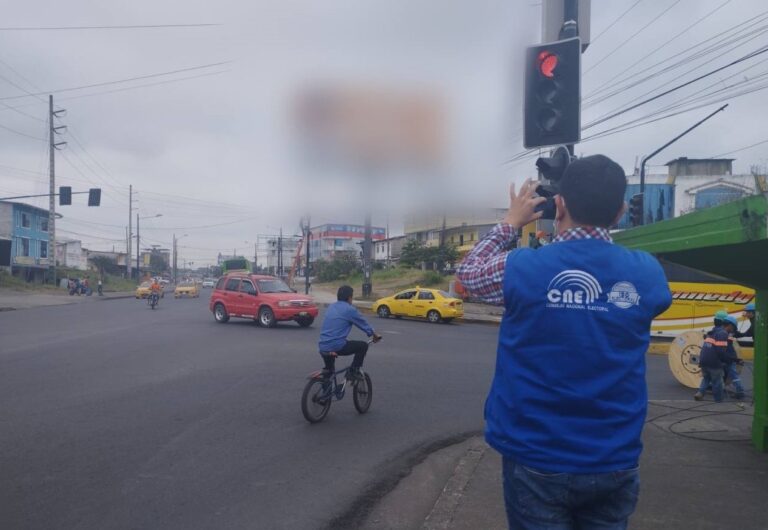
(71, 254)
(388, 250)
(466, 228)
(286, 248)
(24, 240)
(331, 240)
(691, 184)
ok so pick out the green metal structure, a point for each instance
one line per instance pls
(730, 241)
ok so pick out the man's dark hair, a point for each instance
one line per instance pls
(344, 293)
(593, 188)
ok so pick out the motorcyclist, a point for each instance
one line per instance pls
(155, 289)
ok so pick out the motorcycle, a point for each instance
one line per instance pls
(154, 298)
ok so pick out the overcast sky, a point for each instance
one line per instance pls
(215, 145)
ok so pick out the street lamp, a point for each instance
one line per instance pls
(138, 250)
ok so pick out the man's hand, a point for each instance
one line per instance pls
(522, 205)
(376, 337)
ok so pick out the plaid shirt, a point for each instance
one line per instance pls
(482, 271)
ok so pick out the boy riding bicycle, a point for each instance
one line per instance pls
(339, 319)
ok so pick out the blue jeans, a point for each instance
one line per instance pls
(732, 374)
(539, 500)
(714, 377)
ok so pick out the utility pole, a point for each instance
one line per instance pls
(138, 244)
(174, 259)
(256, 255)
(130, 231)
(52, 199)
(52, 146)
(367, 247)
(307, 236)
(280, 254)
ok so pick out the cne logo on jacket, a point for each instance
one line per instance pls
(574, 289)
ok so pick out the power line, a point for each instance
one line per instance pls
(117, 81)
(592, 40)
(682, 59)
(145, 85)
(740, 149)
(203, 226)
(617, 48)
(14, 131)
(685, 30)
(137, 26)
(619, 112)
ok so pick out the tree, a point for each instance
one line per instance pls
(339, 267)
(412, 254)
(415, 253)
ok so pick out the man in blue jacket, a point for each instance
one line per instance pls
(568, 400)
(339, 319)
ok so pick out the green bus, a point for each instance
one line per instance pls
(237, 264)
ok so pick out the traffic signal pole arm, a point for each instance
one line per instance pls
(673, 140)
(41, 195)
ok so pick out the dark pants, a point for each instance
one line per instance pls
(537, 500)
(358, 348)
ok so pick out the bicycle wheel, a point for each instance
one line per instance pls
(316, 400)
(362, 394)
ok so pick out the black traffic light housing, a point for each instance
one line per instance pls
(94, 197)
(636, 209)
(552, 105)
(551, 169)
(65, 195)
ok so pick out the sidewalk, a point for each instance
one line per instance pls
(479, 313)
(11, 300)
(698, 470)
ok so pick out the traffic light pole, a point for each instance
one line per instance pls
(673, 140)
(570, 29)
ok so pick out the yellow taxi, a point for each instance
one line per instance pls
(143, 290)
(190, 289)
(433, 304)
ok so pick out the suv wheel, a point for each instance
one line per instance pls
(267, 318)
(220, 313)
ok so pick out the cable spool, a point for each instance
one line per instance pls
(684, 354)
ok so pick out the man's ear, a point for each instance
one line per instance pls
(561, 208)
(621, 213)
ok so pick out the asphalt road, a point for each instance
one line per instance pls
(116, 416)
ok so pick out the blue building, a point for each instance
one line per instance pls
(24, 244)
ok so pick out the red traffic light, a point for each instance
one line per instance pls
(547, 63)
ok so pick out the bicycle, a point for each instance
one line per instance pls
(323, 388)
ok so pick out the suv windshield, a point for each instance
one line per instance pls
(274, 286)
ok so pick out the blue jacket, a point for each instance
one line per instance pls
(569, 392)
(714, 350)
(339, 319)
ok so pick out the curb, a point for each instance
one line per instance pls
(444, 510)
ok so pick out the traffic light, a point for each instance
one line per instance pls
(94, 196)
(65, 195)
(553, 93)
(552, 169)
(636, 209)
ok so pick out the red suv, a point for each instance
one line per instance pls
(265, 299)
